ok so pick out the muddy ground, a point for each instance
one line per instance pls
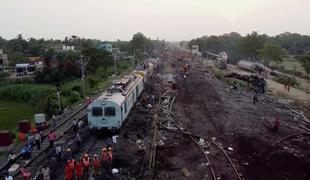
(208, 107)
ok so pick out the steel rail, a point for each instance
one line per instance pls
(45, 149)
(61, 124)
(191, 135)
(290, 136)
(19, 155)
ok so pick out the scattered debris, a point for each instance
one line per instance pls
(185, 172)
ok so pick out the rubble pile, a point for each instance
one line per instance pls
(258, 84)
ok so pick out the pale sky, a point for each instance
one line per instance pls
(166, 19)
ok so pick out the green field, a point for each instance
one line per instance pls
(291, 63)
(21, 101)
(11, 112)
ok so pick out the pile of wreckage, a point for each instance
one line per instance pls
(257, 84)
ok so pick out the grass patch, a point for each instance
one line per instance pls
(22, 101)
(11, 112)
(238, 83)
(290, 63)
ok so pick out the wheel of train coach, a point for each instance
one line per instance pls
(108, 112)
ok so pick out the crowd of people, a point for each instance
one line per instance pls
(33, 139)
(80, 168)
(74, 168)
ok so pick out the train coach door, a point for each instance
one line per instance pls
(121, 114)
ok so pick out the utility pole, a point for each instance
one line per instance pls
(114, 58)
(83, 61)
(58, 96)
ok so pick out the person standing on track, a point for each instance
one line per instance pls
(58, 151)
(22, 137)
(46, 172)
(37, 137)
(31, 138)
(276, 125)
(110, 157)
(66, 112)
(80, 124)
(104, 157)
(11, 158)
(86, 164)
(72, 163)
(75, 125)
(26, 151)
(96, 163)
(68, 172)
(79, 169)
(8, 177)
(26, 174)
(54, 121)
(255, 98)
(51, 138)
(78, 140)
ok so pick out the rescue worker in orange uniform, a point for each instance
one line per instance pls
(72, 163)
(104, 158)
(22, 137)
(110, 156)
(68, 171)
(96, 163)
(26, 174)
(104, 155)
(79, 170)
(276, 125)
(86, 164)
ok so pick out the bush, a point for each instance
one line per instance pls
(93, 81)
(218, 74)
(43, 98)
(75, 96)
(23, 92)
(236, 82)
(66, 91)
(3, 75)
(288, 80)
(290, 71)
(77, 88)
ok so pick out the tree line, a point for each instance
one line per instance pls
(257, 47)
(19, 48)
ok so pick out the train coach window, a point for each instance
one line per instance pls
(97, 111)
(109, 111)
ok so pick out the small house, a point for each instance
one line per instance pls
(106, 47)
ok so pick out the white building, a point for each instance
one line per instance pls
(68, 48)
(195, 49)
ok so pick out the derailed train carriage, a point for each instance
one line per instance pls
(109, 111)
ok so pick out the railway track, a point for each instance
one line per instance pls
(38, 155)
(95, 149)
(61, 130)
(94, 146)
(204, 144)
